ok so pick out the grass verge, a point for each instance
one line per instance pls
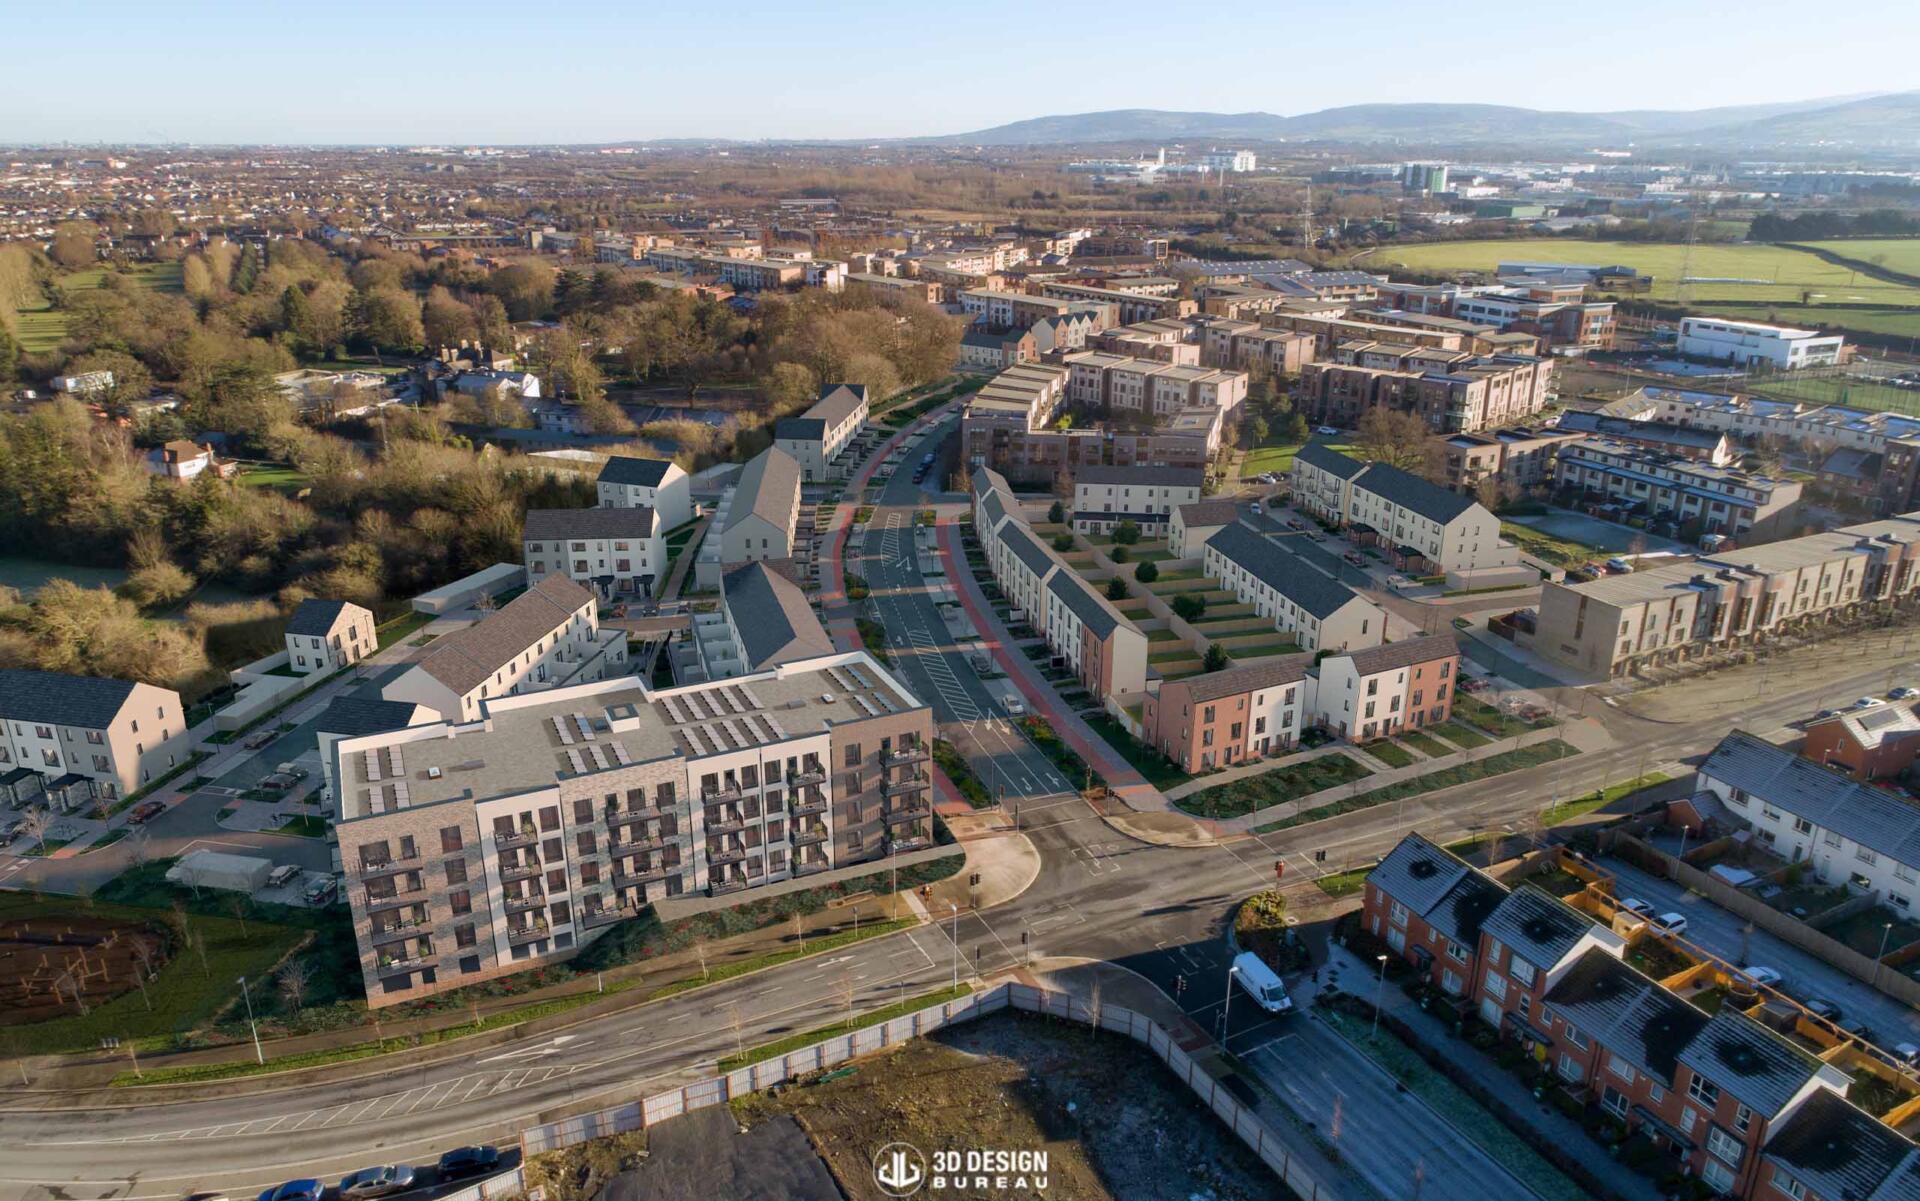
(1600, 798)
(1276, 787)
(1465, 773)
(793, 1042)
(1158, 770)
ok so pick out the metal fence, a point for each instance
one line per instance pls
(1242, 1119)
(507, 1184)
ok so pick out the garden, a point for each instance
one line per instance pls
(1288, 782)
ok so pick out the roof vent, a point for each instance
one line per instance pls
(826, 698)
(433, 773)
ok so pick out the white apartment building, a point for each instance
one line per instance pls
(1319, 612)
(1103, 497)
(1754, 344)
(657, 484)
(546, 637)
(328, 634)
(616, 552)
(816, 437)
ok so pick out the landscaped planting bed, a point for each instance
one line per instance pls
(1460, 735)
(1465, 773)
(1285, 783)
(1384, 750)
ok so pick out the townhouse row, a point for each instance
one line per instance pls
(1421, 526)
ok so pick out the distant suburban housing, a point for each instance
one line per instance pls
(184, 460)
(328, 634)
(657, 484)
(80, 738)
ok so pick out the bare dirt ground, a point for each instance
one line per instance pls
(1114, 1122)
(1732, 688)
(43, 963)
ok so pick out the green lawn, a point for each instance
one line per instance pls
(1599, 798)
(1431, 747)
(305, 825)
(1158, 770)
(400, 627)
(1274, 455)
(277, 476)
(1465, 773)
(1464, 737)
(1344, 884)
(1384, 750)
(1558, 551)
(1477, 712)
(1284, 783)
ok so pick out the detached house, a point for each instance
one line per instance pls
(327, 634)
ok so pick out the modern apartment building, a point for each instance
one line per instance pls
(77, 739)
(326, 634)
(1714, 1089)
(1129, 306)
(1520, 457)
(1711, 447)
(816, 437)
(1011, 426)
(1755, 344)
(1319, 611)
(1329, 331)
(989, 350)
(1662, 485)
(1238, 345)
(1567, 324)
(1103, 647)
(1011, 310)
(479, 848)
(1103, 497)
(1421, 526)
(658, 484)
(546, 637)
(925, 291)
(764, 514)
(1156, 392)
(615, 552)
(1616, 624)
(1461, 396)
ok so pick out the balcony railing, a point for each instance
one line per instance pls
(387, 966)
(526, 836)
(528, 933)
(721, 887)
(523, 903)
(617, 817)
(518, 871)
(396, 932)
(734, 855)
(916, 782)
(811, 802)
(721, 795)
(651, 842)
(725, 823)
(808, 775)
(388, 867)
(912, 754)
(910, 842)
(597, 918)
(807, 869)
(802, 836)
(405, 896)
(907, 811)
(622, 879)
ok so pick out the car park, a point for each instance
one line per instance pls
(145, 812)
(380, 1181)
(468, 1161)
(295, 1190)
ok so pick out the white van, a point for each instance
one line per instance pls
(1261, 983)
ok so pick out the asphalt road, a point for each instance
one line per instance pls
(1158, 911)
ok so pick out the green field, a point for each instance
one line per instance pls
(1895, 254)
(1839, 390)
(43, 329)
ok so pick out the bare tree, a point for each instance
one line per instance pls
(34, 822)
(143, 965)
(739, 1026)
(294, 979)
(238, 907)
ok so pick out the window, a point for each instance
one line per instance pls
(583, 812)
(853, 754)
(1570, 1068)
(1724, 1146)
(1786, 1184)
(1704, 1091)
(456, 871)
(1522, 972)
(1865, 856)
(1456, 952)
(463, 935)
(550, 817)
(1742, 1118)
(1574, 1036)
(460, 901)
(1399, 914)
(450, 839)
(585, 841)
(1620, 1067)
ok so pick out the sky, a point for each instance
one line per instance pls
(424, 71)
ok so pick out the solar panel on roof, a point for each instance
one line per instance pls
(774, 724)
(744, 697)
(733, 706)
(599, 756)
(748, 693)
(860, 680)
(373, 766)
(586, 727)
(396, 762)
(733, 732)
(620, 755)
(886, 702)
(400, 796)
(866, 706)
(573, 757)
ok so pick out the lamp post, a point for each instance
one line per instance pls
(1379, 984)
(1886, 932)
(259, 1056)
(954, 905)
(1226, 1009)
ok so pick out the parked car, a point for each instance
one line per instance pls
(145, 812)
(1868, 702)
(1762, 975)
(1859, 1030)
(1356, 558)
(1907, 1053)
(1316, 536)
(295, 1190)
(1256, 507)
(283, 875)
(1328, 430)
(1294, 523)
(1671, 923)
(468, 1161)
(1636, 905)
(376, 1182)
(260, 738)
(1261, 983)
(1904, 693)
(320, 891)
(277, 781)
(1821, 1007)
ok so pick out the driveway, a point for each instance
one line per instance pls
(1805, 977)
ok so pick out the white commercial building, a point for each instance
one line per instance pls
(1753, 344)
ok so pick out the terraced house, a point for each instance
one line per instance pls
(1741, 1106)
(1319, 611)
(816, 437)
(1103, 497)
(477, 848)
(77, 739)
(658, 484)
(1422, 527)
(1103, 647)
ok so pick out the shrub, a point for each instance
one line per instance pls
(1057, 512)
(1116, 589)
(1216, 659)
(1146, 573)
(1120, 554)
(1063, 542)
(1189, 607)
(1126, 533)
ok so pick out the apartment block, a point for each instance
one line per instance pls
(1420, 525)
(1719, 1090)
(1617, 624)
(1664, 486)
(77, 739)
(989, 350)
(1519, 458)
(1239, 345)
(1712, 447)
(1564, 322)
(1103, 497)
(479, 848)
(763, 515)
(547, 637)
(1129, 307)
(324, 635)
(1329, 331)
(1150, 390)
(1010, 425)
(923, 290)
(658, 484)
(815, 439)
(615, 552)
(1102, 646)
(1461, 396)
(1319, 611)
(1010, 310)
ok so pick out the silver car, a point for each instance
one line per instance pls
(376, 1182)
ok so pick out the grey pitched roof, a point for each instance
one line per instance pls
(465, 659)
(1442, 888)
(1306, 586)
(1026, 548)
(1875, 819)
(315, 617)
(1170, 477)
(561, 524)
(1209, 512)
(772, 617)
(800, 429)
(1627, 1013)
(353, 716)
(1094, 612)
(1761, 1069)
(1404, 653)
(837, 402)
(1274, 671)
(768, 488)
(1316, 454)
(1839, 1151)
(992, 509)
(644, 473)
(1540, 928)
(1409, 491)
(56, 699)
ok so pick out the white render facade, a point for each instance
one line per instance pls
(1756, 344)
(659, 485)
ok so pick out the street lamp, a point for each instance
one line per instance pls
(1886, 932)
(1226, 1010)
(1378, 985)
(259, 1056)
(954, 905)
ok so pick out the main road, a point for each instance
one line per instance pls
(1099, 895)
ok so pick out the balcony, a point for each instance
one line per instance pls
(808, 869)
(389, 965)
(909, 842)
(621, 846)
(909, 811)
(371, 871)
(396, 932)
(525, 836)
(660, 871)
(803, 836)
(405, 896)
(523, 903)
(722, 887)
(812, 802)
(519, 871)
(618, 817)
(912, 754)
(607, 917)
(530, 932)
(918, 781)
(809, 775)
(720, 796)
(735, 855)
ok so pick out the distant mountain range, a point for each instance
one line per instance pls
(1879, 119)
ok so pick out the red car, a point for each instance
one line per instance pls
(145, 812)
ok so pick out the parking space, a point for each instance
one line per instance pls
(1803, 976)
